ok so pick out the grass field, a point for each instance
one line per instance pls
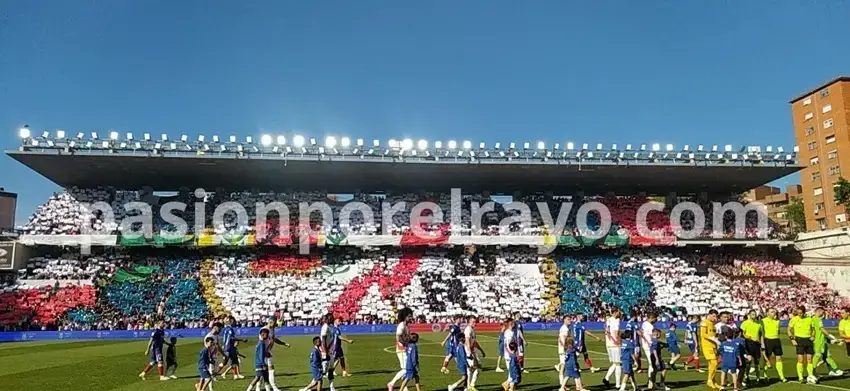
(114, 365)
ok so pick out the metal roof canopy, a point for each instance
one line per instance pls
(336, 175)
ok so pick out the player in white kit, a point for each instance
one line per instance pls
(270, 342)
(470, 345)
(402, 337)
(612, 345)
(565, 331)
(646, 329)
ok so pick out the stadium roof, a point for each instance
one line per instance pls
(345, 175)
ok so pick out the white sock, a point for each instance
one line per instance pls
(610, 372)
(257, 387)
(561, 379)
(331, 386)
(271, 378)
(474, 378)
(267, 388)
(618, 371)
(398, 376)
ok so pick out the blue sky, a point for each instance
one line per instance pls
(589, 71)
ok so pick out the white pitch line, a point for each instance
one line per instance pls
(827, 386)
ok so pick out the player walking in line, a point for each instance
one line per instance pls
(231, 352)
(579, 332)
(315, 366)
(570, 368)
(206, 365)
(462, 365)
(801, 332)
(844, 330)
(822, 340)
(519, 334)
(656, 361)
(612, 346)
(412, 364)
(501, 347)
(772, 345)
(672, 340)
(627, 353)
(328, 348)
(215, 334)
(634, 326)
(154, 349)
(450, 343)
(708, 344)
(692, 340)
(471, 345)
(731, 353)
(645, 335)
(339, 355)
(402, 337)
(565, 332)
(514, 369)
(271, 341)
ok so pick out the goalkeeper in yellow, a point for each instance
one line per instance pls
(822, 340)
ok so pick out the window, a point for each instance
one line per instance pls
(813, 160)
(818, 191)
(808, 116)
(813, 145)
(810, 130)
(824, 93)
(821, 223)
(828, 123)
(833, 155)
(818, 207)
(834, 170)
(816, 176)
(807, 101)
(780, 215)
(826, 108)
(840, 218)
(830, 139)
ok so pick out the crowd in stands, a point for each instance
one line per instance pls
(129, 289)
(67, 213)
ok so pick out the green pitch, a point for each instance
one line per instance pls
(114, 365)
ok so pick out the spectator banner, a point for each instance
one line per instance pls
(638, 240)
(172, 240)
(482, 240)
(568, 241)
(615, 241)
(336, 239)
(69, 240)
(415, 240)
(237, 240)
(207, 239)
(373, 240)
(133, 241)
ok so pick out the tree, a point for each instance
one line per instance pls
(796, 215)
(842, 192)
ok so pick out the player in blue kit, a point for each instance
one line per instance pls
(634, 326)
(462, 365)
(627, 357)
(579, 332)
(657, 363)
(315, 366)
(205, 365)
(738, 338)
(231, 353)
(570, 368)
(519, 334)
(691, 339)
(261, 352)
(339, 355)
(673, 345)
(155, 344)
(411, 367)
(450, 342)
(514, 369)
(730, 352)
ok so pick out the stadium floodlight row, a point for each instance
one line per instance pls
(407, 149)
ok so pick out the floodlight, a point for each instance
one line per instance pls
(45, 134)
(700, 148)
(769, 149)
(298, 141)
(184, 138)
(393, 143)
(80, 135)
(656, 147)
(780, 149)
(24, 132)
(557, 146)
(346, 142)
(147, 136)
(376, 143)
(669, 147)
(643, 147)
(467, 144)
(330, 142)
(155, 146)
(94, 135)
(137, 145)
(598, 147)
(249, 139)
(104, 144)
(321, 150)
(215, 138)
(796, 149)
(628, 147)
(438, 144)
(88, 144)
(613, 147)
(727, 148)
(584, 147)
(233, 139)
(123, 145)
(502, 153)
(541, 145)
(482, 145)
(360, 142)
(313, 141)
(266, 140)
(526, 145)
(239, 148)
(714, 148)
(288, 150)
(281, 140)
(407, 144)
(422, 145)
(222, 148)
(498, 145)
(570, 146)
(60, 134)
(590, 155)
(687, 148)
(130, 136)
(513, 146)
(452, 144)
